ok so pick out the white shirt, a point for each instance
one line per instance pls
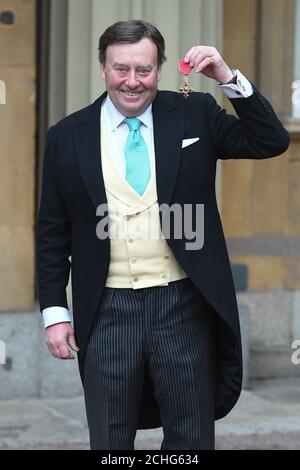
(118, 132)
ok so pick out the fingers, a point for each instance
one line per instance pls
(59, 349)
(188, 58)
(59, 338)
(200, 57)
(63, 352)
(205, 63)
(208, 61)
(72, 342)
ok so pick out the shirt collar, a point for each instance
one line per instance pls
(115, 118)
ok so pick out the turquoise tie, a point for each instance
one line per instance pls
(137, 160)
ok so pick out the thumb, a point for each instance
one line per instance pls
(72, 342)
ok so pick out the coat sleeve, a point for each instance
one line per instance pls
(256, 132)
(53, 235)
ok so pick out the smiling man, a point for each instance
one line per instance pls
(131, 76)
(155, 324)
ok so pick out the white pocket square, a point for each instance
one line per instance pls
(187, 142)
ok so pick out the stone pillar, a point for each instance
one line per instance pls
(276, 63)
(57, 85)
(78, 57)
(17, 156)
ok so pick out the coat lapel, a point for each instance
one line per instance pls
(168, 124)
(86, 134)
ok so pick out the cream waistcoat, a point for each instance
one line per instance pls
(139, 256)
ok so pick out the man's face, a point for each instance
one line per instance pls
(131, 76)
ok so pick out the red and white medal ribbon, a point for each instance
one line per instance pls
(185, 69)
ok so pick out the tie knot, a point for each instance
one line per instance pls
(133, 123)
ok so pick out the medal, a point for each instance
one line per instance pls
(185, 69)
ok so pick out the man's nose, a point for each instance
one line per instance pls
(132, 81)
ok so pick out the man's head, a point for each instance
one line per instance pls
(131, 55)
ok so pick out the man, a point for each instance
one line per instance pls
(155, 318)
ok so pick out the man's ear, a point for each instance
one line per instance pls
(102, 71)
(159, 71)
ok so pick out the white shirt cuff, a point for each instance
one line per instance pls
(53, 315)
(242, 88)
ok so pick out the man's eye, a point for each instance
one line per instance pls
(143, 71)
(120, 69)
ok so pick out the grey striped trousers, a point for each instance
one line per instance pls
(171, 328)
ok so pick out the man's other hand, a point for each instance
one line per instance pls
(207, 60)
(59, 338)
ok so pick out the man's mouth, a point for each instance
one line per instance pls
(131, 93)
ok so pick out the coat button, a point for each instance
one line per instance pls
(135, 279)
